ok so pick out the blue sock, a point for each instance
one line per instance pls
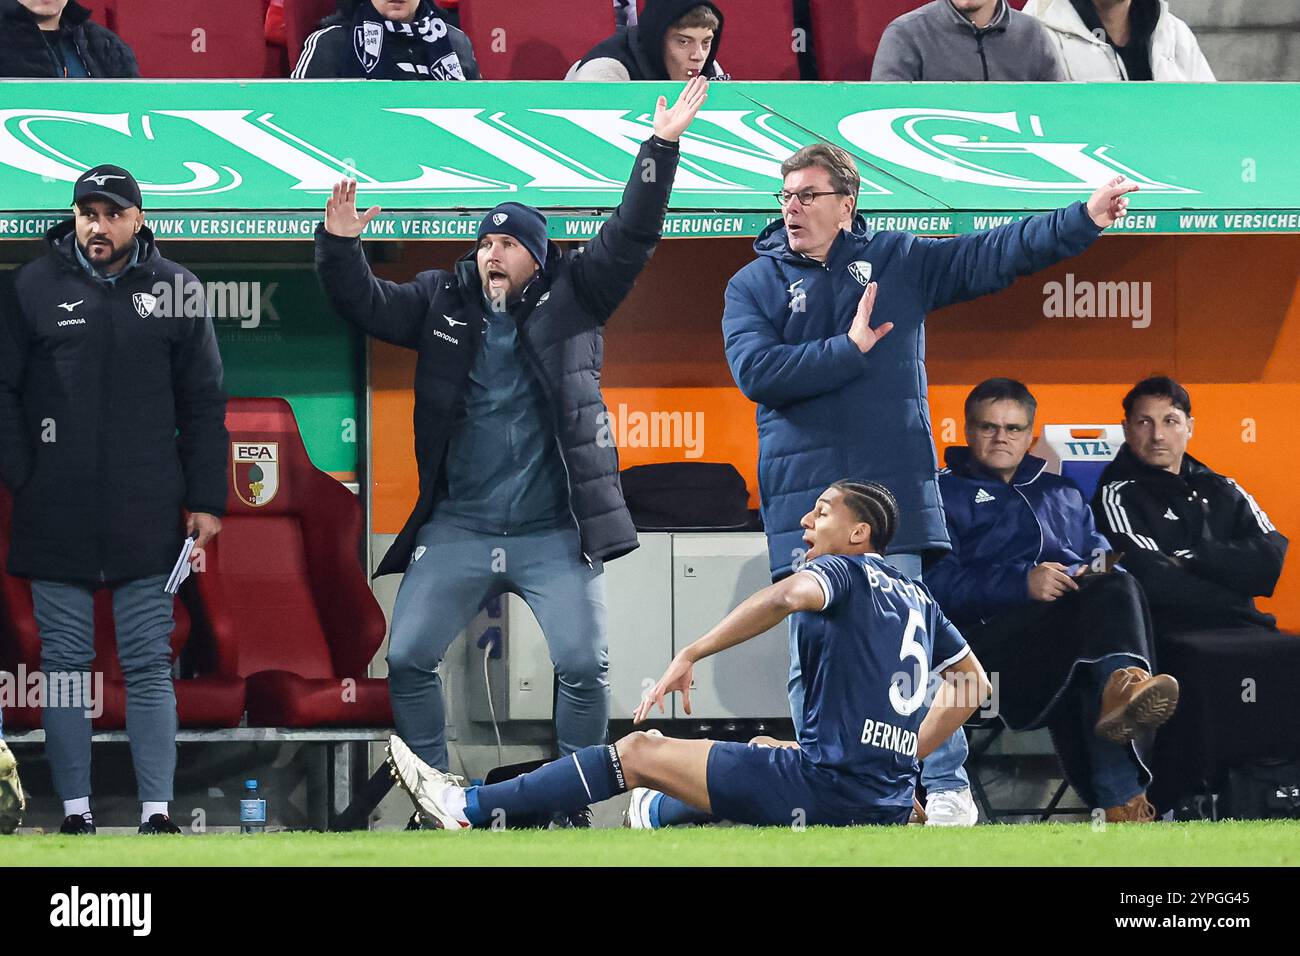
(586, 776)
(666, 811)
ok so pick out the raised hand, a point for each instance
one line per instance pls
(341, 217)
(671, 123)
(678, 677)
(1110, 202)
(860, 332)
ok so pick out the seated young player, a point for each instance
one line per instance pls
(867, 639)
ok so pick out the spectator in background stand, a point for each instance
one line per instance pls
(403, 40)
(57, 38)
(966, 40)
(672, 40)
(1121, 40)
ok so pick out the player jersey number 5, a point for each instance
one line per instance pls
(914, 649)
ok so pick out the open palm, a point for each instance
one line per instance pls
(341, 216)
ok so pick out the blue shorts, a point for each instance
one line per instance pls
(777, 786)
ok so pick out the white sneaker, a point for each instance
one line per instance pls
(637, 815)
(951, 808)
(12, 801)
(431, 790)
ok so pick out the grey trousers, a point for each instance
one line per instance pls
(142, 615)
(452, 573)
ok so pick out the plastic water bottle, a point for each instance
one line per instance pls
(252, 810)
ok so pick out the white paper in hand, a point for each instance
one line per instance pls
(182, 569)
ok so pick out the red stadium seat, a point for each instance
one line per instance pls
(196, 39)
(102, 12)
(758, 40)
(301, 18)
(533, 41)
(209, 700)
(847, 33)
(284, 596)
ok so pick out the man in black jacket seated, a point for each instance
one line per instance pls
(112, 421)
(1202, 549)
(519, 488)
(57, 38)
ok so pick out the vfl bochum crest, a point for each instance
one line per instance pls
(257, 471)
(144, 303)
(860, 270)
(369, 40)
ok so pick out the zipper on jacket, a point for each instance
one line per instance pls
(979, 40)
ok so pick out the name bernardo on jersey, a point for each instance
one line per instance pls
(889, 737)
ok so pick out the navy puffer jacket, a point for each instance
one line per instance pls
(827, 411)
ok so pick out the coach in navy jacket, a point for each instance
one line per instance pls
(836, 397)
(829, 408)
(1029, 582)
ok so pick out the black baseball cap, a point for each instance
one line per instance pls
(107, 182)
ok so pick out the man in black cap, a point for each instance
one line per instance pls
(112, 426)
(519, 488)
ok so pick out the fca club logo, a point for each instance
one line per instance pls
(257, 471)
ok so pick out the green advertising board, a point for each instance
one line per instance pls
(278, 336)
(256, 160)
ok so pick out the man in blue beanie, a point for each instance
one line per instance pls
(518, 493)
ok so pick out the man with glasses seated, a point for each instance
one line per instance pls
(1033, 587)
(837, 394)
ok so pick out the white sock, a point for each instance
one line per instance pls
(150, 807)
(455, 803)
(78, 808)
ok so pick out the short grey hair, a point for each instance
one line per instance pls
(836, 161)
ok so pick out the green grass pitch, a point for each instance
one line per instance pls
(1174, 844)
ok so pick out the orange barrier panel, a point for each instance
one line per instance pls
(1224, 318)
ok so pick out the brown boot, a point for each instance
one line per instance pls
(1137, 810)
(1133, 699)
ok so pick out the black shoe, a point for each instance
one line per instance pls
(75, 824)
(414, 823)
(158, 823)
(573, 820)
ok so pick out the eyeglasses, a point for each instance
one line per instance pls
(805, 198)
(989, 429)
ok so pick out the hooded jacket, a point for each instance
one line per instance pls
(1197, 541)
(561, 318)
(1000, 531)
(24, 52)
(637, 52)
(936, 42)
(826, 410)
(112, 415)
(1175, 54)
(327, 53)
